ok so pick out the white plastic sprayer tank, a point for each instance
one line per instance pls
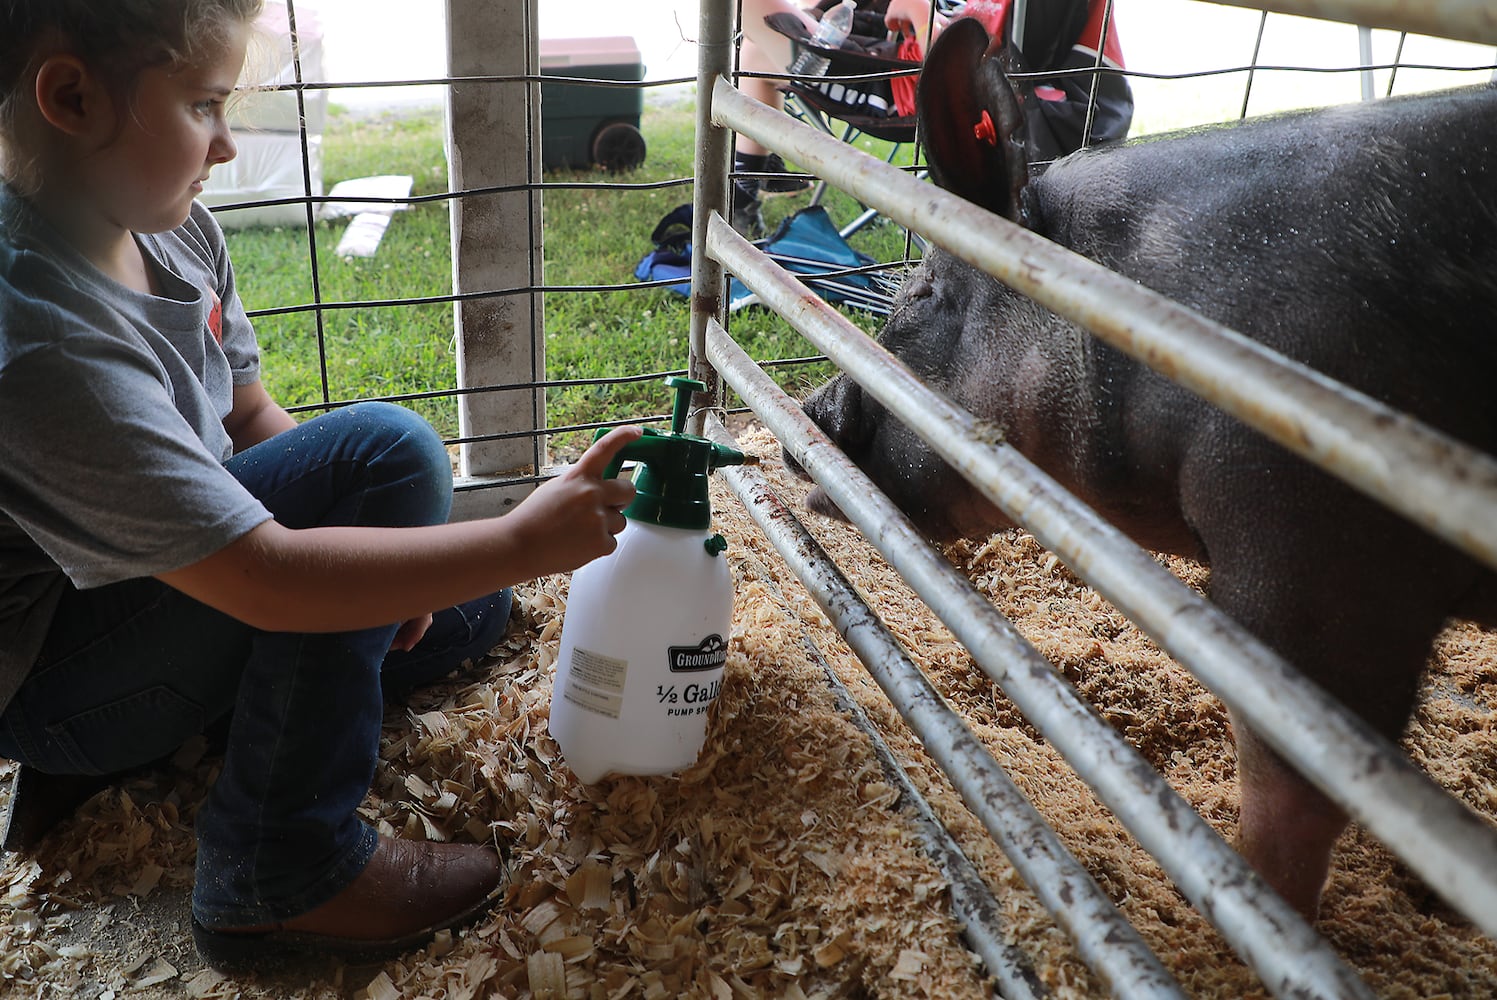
(646, 630)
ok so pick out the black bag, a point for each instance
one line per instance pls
(867, 104)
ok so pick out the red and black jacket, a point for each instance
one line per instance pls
(1061, 37)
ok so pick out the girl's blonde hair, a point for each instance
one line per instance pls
(117, 39)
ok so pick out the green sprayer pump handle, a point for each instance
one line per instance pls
(683, 387)
(657, 447)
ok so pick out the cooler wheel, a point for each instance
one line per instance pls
(618, 146)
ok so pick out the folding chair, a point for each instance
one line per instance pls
(1071, 45)
(1071, 40)
(863, 107)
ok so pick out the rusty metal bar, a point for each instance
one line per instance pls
(1363, 772)
(1437, 835)
(971, 899)
(714, 145)
(1106, 941)
(1464, 20)
(1436, 481)
(1270, 936)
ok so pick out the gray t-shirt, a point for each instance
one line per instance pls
(112, 403)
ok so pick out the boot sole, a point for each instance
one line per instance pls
(800, 188)
(270, 951)
(39, 802)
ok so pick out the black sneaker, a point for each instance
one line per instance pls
(781, 185)
(746, 217)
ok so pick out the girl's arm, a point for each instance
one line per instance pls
(255, 417)
(337, 579)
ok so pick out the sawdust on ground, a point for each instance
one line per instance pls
(781, 864)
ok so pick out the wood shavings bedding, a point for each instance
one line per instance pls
(778, 866)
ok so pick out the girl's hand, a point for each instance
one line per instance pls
(573, 519)
(912, 17)
(410, 633)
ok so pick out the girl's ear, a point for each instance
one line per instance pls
(70, 97)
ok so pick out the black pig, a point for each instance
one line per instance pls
(1361, 241)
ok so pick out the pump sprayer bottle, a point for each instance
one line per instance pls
(646, 629)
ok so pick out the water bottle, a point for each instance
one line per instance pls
(645, 635)
(831, 32)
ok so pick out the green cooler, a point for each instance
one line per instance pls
(581, 125)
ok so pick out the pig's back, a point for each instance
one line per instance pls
(1360, 240)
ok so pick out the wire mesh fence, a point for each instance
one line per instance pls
(339, 327)
(548, 332)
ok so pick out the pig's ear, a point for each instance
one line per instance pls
(971, 121)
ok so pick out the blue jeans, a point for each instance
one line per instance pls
(132, 670)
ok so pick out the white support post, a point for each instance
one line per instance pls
(494, 140)
(1364, 53)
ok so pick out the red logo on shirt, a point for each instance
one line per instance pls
(216, 318)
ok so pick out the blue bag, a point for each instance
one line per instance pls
(806, 243)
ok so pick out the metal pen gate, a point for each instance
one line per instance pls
(1450, 489)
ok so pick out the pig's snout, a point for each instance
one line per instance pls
(818, 502)
(837, 409)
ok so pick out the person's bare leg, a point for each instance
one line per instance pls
(753, 60)
(765, 51)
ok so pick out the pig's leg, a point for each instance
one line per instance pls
(1286, 827)
(1349, 594)
(1354, 630)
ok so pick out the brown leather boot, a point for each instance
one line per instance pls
(408, 892)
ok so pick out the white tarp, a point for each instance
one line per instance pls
(266, 124)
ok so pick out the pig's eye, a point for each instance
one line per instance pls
(919, 287)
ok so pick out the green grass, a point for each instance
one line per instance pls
(591, 237)
(371, 351)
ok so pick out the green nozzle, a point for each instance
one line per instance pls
(671, 487)
(682, 407)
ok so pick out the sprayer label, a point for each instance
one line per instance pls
(709, 654)
(596, 682)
